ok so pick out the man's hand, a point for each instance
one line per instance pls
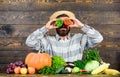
(51, 24)
(76, 23)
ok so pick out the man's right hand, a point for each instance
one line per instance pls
(50, 24)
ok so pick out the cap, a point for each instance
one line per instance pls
(57, 13)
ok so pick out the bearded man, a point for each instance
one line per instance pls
(63, 44)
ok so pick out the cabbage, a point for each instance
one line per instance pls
(91, 65)
(75, 70)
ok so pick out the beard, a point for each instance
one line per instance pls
(63, 31)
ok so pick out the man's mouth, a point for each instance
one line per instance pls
(63, 31)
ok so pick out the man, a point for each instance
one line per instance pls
(64, 44)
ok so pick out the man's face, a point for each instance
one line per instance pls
(63, 31)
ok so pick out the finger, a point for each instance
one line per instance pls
(52, 22)
(55, 27)
(73, 18)
(70, 25)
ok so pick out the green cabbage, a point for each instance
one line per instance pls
(91, 65)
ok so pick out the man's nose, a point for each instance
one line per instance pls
(63, 26)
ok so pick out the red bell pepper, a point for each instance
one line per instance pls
(68, 22)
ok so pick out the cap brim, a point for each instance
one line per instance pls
(56, 14)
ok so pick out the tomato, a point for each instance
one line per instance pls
(17, 70)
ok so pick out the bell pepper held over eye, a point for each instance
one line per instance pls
(59, 22)
(68, 22)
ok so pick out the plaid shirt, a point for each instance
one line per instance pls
(71, 49)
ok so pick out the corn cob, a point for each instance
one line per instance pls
(111, 72)
(100, 68)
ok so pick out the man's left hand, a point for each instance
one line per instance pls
(76, 23)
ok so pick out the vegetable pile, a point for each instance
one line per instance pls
(43, 63)
(57, 62)
(90, 64)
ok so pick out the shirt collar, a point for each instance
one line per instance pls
(58, 37)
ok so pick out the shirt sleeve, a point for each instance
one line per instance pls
(93, 38)
(33, 40)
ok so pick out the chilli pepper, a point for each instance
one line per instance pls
(68, 21)
(59, 22)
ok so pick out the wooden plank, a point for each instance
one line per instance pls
(41, 17)
(110, 45)
(118, 59)
(14, 53)
(98, 17)
(54, 1)
(9, 30)
(24, 5)
(3, 68)
(7, 57)
(7, 60)
(107, 30)
(13, 44)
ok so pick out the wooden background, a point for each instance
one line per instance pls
(19, 18)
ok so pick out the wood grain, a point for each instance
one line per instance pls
(107, 30)
(13, 44)
(19, 44)
(24, 5)
(42, 17)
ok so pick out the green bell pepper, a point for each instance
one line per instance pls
(59, 22)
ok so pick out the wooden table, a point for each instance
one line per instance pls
(59, 75)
